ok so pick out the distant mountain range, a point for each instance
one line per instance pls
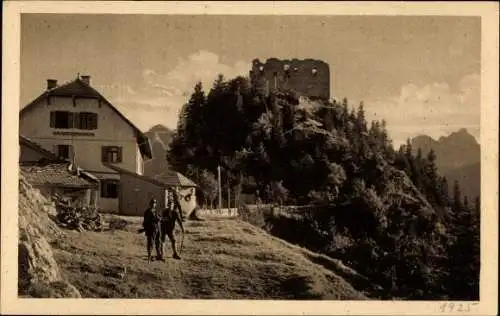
(160, 138)
(458, 158)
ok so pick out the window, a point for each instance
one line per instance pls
(87, 120)
(61, 119)
(109, 188)
(65, 119)
(64, 151)
(111, 154)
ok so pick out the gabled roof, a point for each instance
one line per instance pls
(175, 179)
(168, 179)
(23, 140)
(78, 88)
(54, 174)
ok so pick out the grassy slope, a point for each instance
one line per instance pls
(222, 259)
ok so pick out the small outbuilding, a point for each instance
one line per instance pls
(137, 190)
(53, 175)
(60, 178)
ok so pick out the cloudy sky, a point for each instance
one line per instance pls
(421, 74)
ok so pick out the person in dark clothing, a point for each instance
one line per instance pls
(152, 227)
(171, 215)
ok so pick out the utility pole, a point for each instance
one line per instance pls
(220, 187)
(228, 196)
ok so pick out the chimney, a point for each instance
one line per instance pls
(51, 84)
(86, 79)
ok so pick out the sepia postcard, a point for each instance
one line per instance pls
(226, 158)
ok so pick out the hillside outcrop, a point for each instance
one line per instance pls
(39, 274)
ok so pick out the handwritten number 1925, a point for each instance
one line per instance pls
(451, 307)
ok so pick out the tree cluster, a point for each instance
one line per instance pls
(384, 210)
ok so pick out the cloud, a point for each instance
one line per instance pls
(434, 109)
(161, 96)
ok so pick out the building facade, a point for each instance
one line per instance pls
(77, 123)
(307, 77)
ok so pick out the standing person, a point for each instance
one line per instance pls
(173, 204)
(171, 215)
(152, 227)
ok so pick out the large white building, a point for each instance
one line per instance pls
(76, 122)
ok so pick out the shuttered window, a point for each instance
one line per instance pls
(111, 154)
(87, 120)
(61, 119)
(79, 120)
(53, 119)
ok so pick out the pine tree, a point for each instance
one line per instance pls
(409, 149)
(431, 158)
(217, 88)
(457, 197)
(465, 251)
(384, 136)
(433, 189)
(360, 117)
(194, 118)
(444, 192)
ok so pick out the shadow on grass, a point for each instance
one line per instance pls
(299, 287)
(358, 281)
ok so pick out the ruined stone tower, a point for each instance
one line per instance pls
(307, 77)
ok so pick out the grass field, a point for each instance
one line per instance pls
(221, 259)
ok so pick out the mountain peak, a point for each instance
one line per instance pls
(460, 136)
(457, 149)
(159, 128)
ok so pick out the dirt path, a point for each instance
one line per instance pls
(222, 259)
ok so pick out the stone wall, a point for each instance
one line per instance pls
(307, 77)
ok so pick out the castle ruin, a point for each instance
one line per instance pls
(307, 77)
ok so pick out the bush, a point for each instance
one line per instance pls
(254, 214)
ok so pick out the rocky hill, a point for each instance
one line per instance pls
(39, 272)
(385, 210)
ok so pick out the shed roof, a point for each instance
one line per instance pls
(168, 179)
(54, 174)
(25, 141)
(174, 178)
